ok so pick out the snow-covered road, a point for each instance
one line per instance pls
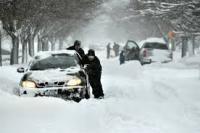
(152, 99)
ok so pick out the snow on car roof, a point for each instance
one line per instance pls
(45, 54)
(152, 39)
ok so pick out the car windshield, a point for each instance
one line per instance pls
(131, 45)
(156, 46)
(62, 61)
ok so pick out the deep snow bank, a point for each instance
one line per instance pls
(158, 98)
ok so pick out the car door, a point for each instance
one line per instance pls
(131, 50)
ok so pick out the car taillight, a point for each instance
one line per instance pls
(145, 53)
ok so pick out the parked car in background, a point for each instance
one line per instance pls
(131, 50)
(55, 74)
(154, 50)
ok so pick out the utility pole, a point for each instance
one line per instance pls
(0, 50)
(1, 5)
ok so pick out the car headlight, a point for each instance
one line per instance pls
(28, 84)
(74, 82)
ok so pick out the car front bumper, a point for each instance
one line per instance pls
(64, 92)
(145, 61)
(149, 61)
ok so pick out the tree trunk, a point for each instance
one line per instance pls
(53, 43)
(24, 51)
(61, 44)
(45, 46)
(39, 44)
(0, 51)
(31, 45)
(184, 46)
(15, 51)
(193, 45)
(53, 46)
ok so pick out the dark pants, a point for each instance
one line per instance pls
(96, 85)
(108, 54)
(122, 62)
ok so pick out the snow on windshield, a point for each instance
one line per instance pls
(155, 45)
(62, 61)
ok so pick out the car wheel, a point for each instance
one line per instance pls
(76, 99)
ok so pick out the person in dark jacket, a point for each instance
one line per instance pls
(77, 48)
(116, 49)
(108, 50)
(94, 70)
(122, 57)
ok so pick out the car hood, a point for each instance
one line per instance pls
(52, 75)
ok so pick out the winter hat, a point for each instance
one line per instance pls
(77, 43)
(91, 52)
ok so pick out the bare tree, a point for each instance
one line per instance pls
(183, 15)
(49, 20)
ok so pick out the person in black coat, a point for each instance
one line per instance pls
(122, 57)
(108, 50)
(94, 70)
(77, 48)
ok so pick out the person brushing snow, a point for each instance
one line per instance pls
(79, 50)
(94, 70)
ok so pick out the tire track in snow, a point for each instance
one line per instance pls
(164, 90)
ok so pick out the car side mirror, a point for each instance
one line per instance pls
(21, 70)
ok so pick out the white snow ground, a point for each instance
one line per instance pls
(158, 98)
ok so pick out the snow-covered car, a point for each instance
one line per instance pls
(155, 50)
(56, 74)
(131, 50)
